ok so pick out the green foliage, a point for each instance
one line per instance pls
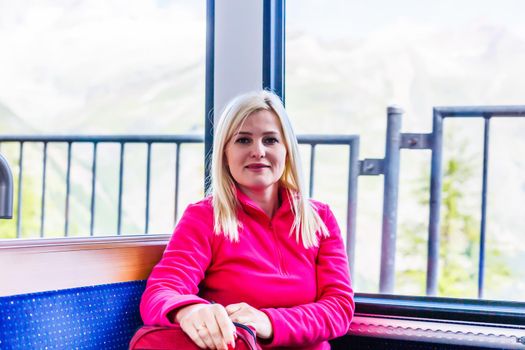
(459, 235)
(30, 227)
(31, 207)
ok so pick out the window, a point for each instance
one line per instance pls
(101, 67)
(348, 61)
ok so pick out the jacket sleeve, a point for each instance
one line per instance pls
(174, 281)
(330, 315)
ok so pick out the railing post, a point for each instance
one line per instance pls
(43, 201)
(120, 187)
(148, 187)
(391, 184)
(20, 182)
(177, 177)
(68, 189)
(93, 189)
(436, 181)
(312, 170)
(353, 175)
(482, 234)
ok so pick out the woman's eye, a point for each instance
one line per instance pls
(270, 140)
(242, 140)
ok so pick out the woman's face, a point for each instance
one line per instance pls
(256, 153)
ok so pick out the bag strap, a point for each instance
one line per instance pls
(247, 334)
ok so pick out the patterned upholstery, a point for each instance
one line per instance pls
(107, 316)
(98, 317)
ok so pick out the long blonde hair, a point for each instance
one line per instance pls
(307, 222)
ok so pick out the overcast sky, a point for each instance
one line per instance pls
(334, 19)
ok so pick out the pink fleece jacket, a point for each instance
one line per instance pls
(306, 293)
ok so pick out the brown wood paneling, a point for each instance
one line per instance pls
(39, 265)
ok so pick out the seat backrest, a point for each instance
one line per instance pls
(99, 317)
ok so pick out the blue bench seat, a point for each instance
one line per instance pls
(99, 317)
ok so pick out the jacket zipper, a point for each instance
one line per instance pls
(280, 262)
(282, 270)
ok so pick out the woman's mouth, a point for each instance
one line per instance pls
(257, 166)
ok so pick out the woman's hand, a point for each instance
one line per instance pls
(208, 325)
(245, 314)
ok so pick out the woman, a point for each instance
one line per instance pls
(256, 251)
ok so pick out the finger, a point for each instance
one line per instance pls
(226, 326)
(215, 334)
(241, 314)
(242, 319)
(232, 308)
(194, 336)
(206, 338)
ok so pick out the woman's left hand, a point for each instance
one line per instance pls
(245, 314)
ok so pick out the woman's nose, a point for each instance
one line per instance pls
(258, 150)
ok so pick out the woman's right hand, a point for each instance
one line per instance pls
(208, 325)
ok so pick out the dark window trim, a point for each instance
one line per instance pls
(440, 308)
(273, 46)
(209, 90)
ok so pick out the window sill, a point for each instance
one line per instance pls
(438, 331)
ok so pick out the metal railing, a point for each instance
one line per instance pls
(389, 167)
(436, 143)
(353, 173)
(69, 140)
(177, 140)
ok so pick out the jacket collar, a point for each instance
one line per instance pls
(249, 206)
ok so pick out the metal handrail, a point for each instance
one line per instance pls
(177, 140)
(312, 140)
(440, 113)
(389, 166)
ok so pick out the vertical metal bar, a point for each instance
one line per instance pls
(481, 269)
(6, 189)
(436, 183)
(312, 169)
(43, 205)
(19, 204)
(93, 188)
(120, 186)
(148, 174)
(177, 173)
(209, 117)
(353, 175)
(274, 46)
(68, 189)
(391, 185)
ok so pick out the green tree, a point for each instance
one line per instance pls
(459, 233)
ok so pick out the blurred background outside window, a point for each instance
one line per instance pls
(347, 60)
(102, 67)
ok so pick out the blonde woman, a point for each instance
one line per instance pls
(256, 251)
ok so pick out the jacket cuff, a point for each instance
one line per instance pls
(278, 328)
(178, 302)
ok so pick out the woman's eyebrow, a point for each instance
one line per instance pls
(264, 133)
